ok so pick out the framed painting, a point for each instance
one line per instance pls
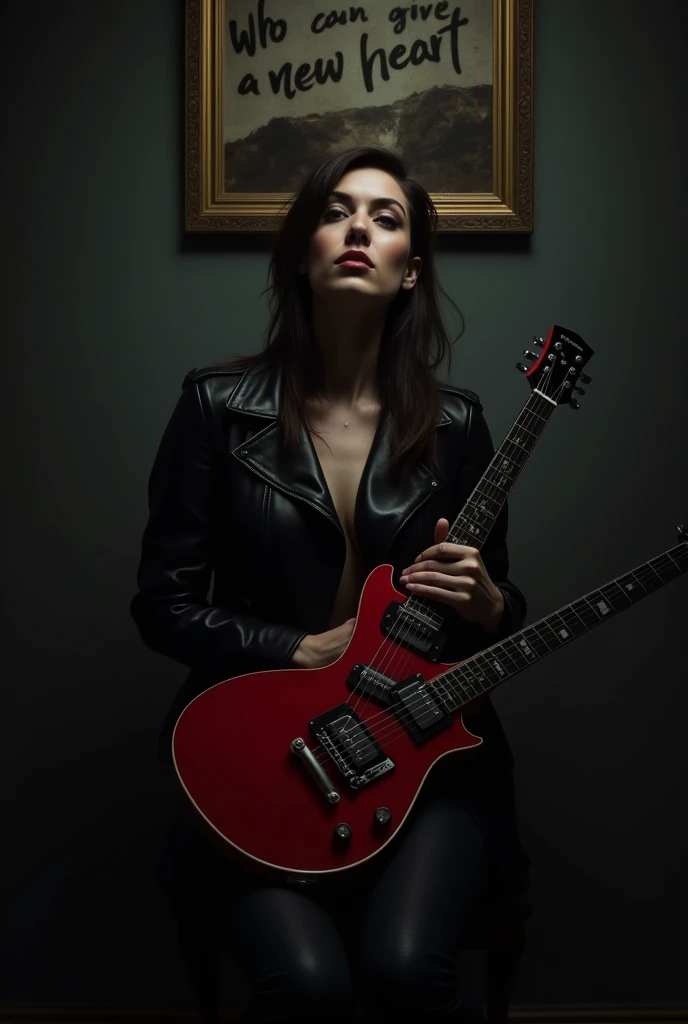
(273, 87)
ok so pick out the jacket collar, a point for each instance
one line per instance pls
(381, 506)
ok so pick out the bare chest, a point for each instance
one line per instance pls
(343, 452)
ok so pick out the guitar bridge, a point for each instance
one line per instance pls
(353, 748)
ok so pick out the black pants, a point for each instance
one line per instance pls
(387, 939)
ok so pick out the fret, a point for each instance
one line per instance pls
(517, 652)
(478, 513)
(678, 567)
(514, 455)
(572, 621)
(488, 508)
(521, 429)
(506, 465)
(562, 628)
(616, 595)
(531, 412)
(445, 691)
(632, 586)
(469, 682)
(494, 663)
(535, 646)
(597, 604)
(509, 656)
(493, 483)
(585, 613)
(667, 567)
(485, 674)
(652, 582)
(450, 697)
(548, 633)
(490, 667)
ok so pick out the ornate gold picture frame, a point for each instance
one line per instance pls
(273, 87)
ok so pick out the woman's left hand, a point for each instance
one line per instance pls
(456, 575)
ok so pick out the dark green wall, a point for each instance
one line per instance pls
(106, 307)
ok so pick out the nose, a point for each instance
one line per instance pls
(358, 230)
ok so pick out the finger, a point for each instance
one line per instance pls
(455, 566)
(447, 549)
(441, 530)
(457, 584)
(435, 565)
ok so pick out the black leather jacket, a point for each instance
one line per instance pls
(225, 498)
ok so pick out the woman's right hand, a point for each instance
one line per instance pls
(319, 649)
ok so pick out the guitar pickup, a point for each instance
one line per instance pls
(368, 682)
(413, 633)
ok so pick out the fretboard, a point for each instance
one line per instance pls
(489, 668)
(488, 497)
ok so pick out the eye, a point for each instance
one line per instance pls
(391, 222)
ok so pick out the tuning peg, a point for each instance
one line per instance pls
(585, 379)
(522, 367)
(530, 355)
(538, 341)
(579, 391)
(574, 404)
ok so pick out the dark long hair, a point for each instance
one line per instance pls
(414, 340)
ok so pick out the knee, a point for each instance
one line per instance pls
(405, 979)
(310, 990)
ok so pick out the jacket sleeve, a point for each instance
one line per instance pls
(171, 609)
(467, 638)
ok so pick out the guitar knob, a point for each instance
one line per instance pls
(538, 341)
(574, 404)
(382, 816)
(342, 831)
(530, 355)
(579, 391)
(585, 379)
(522, 367)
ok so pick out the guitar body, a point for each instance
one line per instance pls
(232, 752)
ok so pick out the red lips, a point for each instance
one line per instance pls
(355, 254)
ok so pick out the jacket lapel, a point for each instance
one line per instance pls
(382, 507)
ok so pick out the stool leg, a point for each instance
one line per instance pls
(502, 968)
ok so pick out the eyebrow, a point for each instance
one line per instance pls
(380, 201)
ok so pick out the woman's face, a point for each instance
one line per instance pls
(367, 212)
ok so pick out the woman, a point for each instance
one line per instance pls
(290, 475)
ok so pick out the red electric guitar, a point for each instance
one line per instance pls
(313, 771)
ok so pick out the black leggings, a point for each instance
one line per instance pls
(387, 940)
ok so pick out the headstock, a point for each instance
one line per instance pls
(558, 368)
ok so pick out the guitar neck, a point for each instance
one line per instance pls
(488, 497)
(485, 671)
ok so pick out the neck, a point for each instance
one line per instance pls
(349, 343)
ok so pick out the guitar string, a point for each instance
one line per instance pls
(394, 651)
(639, 576)
(403, 654)
(641, 573)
